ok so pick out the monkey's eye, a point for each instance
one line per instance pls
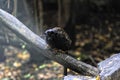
(50, 33)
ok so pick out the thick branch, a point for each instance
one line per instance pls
(35, 41)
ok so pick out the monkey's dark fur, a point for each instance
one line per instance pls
(57, 38)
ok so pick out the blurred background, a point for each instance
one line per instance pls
(93, 26)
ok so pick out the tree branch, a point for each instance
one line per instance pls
(40, 45)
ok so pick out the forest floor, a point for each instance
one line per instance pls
(16, 66)
(94, 43)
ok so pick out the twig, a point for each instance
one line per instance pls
(93, 61)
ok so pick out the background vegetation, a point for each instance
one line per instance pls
(93, 26)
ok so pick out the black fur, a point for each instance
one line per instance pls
(58, 38)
